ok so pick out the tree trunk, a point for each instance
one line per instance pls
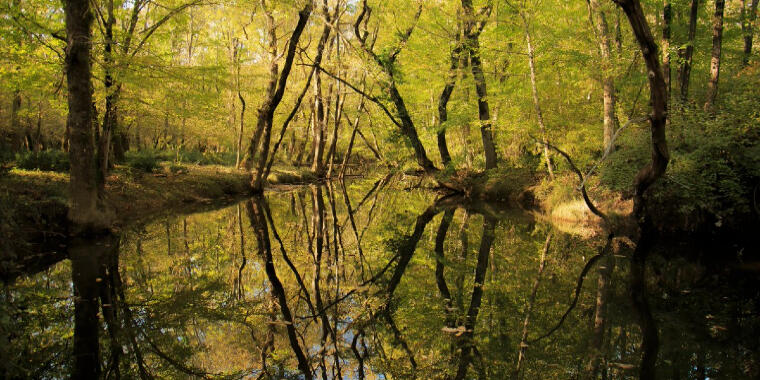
(534, 91)
(16, 131)
(608, 78)
(241, 130)
(606, 268)
(443, 100)
(83, 188)
(386, 63)
(472, 35)
(529, 310)
(667, 17)
(266, 112)
(645, 178)
(687, 52)
(748, 28)
(318, 144)
(109, 118)
(712, 84)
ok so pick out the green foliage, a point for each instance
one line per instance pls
(713, 166)
(144, 161)
(46, 160)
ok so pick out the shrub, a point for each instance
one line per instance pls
(145, 161)
(46, 160)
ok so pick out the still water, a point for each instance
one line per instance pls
(374, 279)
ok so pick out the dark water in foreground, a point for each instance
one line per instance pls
(372, 281)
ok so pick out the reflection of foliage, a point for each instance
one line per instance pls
(198, 299)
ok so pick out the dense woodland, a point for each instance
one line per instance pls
(446, 86)
(637, 120)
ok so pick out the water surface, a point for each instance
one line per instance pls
(371, 279)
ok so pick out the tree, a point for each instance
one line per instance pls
(82, 184)
(749, 14)
(386, 62)
(473, 26)
(717, 42)
(275, 90)
(599, 20)
(686, 53)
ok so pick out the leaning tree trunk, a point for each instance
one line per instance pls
(712, 84)
(443, 100)
(748, 28)
(687, 52)
(608, 78)
(83, 188)
(266, 112)
(647, 176)
(472, 35)
(387, 63)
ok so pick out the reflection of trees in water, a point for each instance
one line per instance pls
(371, 288)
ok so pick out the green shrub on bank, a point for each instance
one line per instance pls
(714, 162)
(144, 161)
(46, 160)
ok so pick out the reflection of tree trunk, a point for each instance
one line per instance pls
(467, 343)
(88, 261)
(606, 269)
(240, 287)
(259, 223)
(529, 309)
(649, 336)
(440, 279)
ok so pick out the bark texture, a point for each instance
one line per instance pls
(82, 183)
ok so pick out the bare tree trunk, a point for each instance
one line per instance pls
(83, 187)
(748, 28)
(608, 78)
(472, 31)
(536, 104)
(712, 84)
(687, 52)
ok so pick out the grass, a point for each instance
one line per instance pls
(130, 194)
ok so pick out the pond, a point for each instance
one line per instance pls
(375, 279)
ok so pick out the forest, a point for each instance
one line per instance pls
(379, 189)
